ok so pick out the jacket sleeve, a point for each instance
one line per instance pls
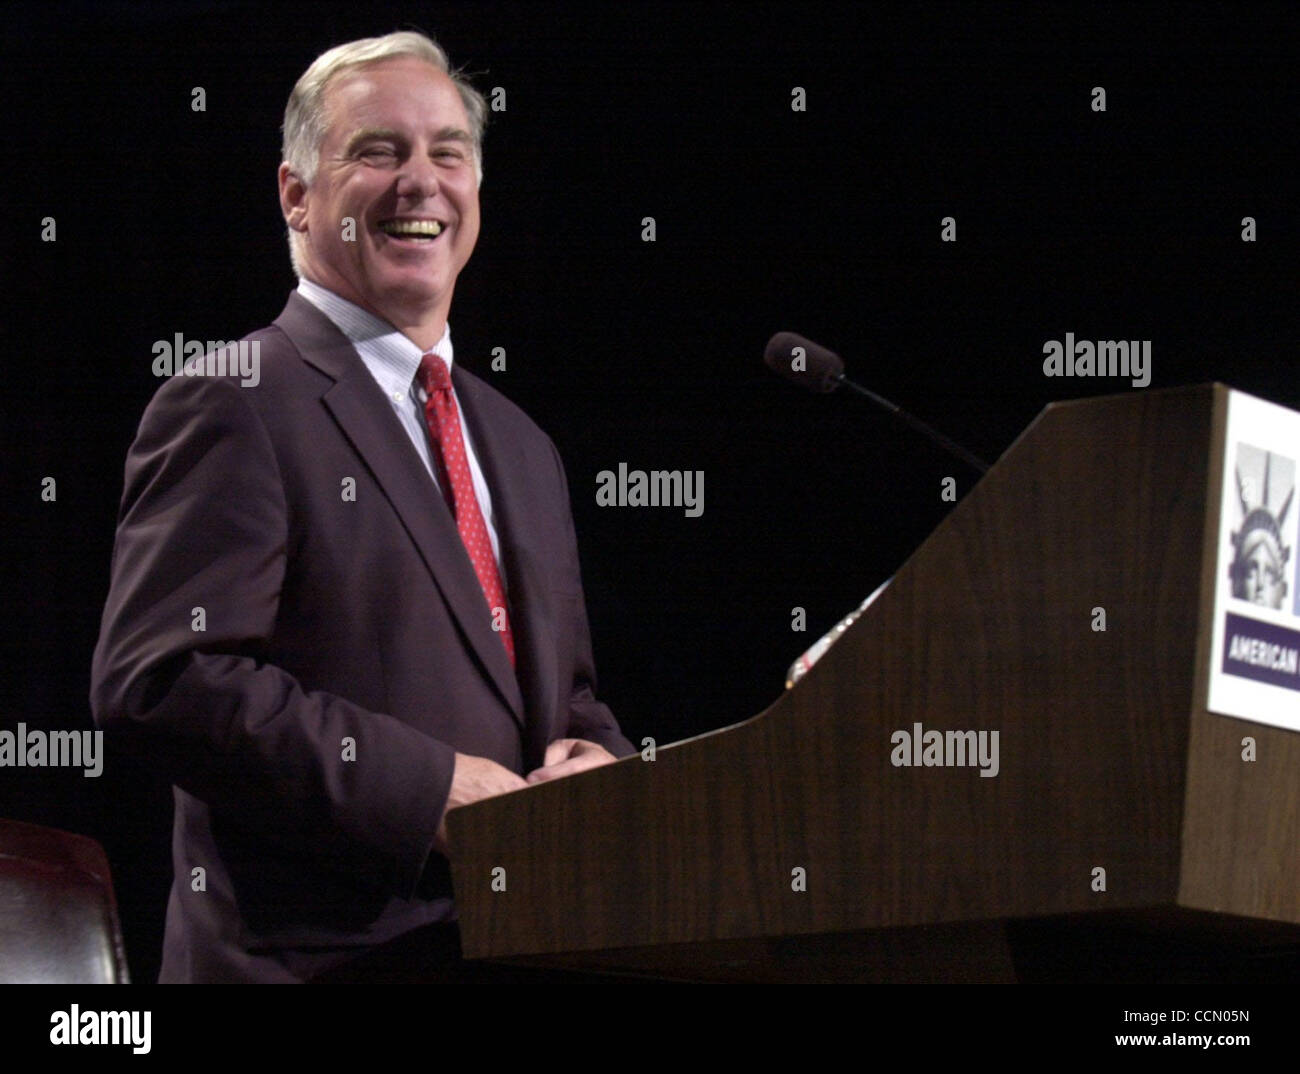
(180, 673)
(588, 718)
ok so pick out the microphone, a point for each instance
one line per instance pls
(817, 369)
(808, 364)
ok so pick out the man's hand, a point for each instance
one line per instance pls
(473, 779)
(566, 756)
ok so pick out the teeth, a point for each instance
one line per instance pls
(412, 227)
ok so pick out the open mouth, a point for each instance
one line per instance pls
(417, 231)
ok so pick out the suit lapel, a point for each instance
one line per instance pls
(364, 414)
(532, 612)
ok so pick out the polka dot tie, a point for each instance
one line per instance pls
(449, 451)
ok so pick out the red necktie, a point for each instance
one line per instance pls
(445, 436)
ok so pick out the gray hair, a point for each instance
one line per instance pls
(304, 116)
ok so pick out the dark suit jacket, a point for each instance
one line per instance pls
(331, 628)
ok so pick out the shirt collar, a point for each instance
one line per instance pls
(376, 336)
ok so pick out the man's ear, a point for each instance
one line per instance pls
(293, 198)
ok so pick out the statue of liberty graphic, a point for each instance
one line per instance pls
(1258, 568)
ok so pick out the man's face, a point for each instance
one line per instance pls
(397, 151)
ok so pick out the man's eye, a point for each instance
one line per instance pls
(377, 153)
(448, 154)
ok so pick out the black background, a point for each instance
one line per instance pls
(1124, 224)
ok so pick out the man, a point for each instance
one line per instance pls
(346, 599)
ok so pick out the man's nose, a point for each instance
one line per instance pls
(418, 178)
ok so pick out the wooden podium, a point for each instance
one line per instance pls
(686, 867)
